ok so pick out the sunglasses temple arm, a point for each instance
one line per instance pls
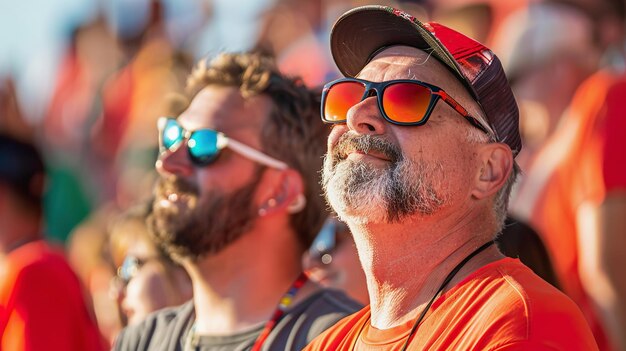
(463, 112)
(255, 155)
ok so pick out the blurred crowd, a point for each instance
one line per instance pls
(565, 60)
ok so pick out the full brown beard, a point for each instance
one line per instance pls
(200, 226)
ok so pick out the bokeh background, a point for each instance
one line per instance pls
(86, 80)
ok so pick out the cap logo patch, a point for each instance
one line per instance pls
(402, 14)
(475, 63)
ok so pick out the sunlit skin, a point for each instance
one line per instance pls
(390, 252)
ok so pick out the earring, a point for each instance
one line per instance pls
(297, 205)
(269, 204)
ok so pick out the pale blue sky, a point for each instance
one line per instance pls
(32, 34)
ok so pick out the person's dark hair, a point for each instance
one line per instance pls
(22, 171)
(293, 132)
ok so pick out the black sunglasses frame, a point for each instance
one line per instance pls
(436, 93)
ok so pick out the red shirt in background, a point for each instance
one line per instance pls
(42, 306)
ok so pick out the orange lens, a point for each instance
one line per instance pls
(340, 98)
(406, 102)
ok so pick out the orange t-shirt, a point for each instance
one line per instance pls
(501, 306)
(42, 306)
(581, 164)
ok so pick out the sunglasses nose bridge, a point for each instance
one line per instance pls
(370, 91)
(366, 116)
(175, 161)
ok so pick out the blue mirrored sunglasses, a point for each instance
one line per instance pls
(129, 268)
(205, 145)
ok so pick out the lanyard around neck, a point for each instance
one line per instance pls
(283, 304)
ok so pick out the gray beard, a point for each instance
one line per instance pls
(362, 193)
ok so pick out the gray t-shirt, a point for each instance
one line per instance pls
(169, 329)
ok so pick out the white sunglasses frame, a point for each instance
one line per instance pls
(222, 142)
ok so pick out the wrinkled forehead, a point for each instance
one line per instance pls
(405, 62)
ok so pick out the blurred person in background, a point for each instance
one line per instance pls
(548, 50)
(147, 279)
(297, 30)
(132, 97)
(574, 190)
(332, 261)
(480, 20)
(294, 30)
(42, 304)
(91, 56)
(89, 256)
(12, 119)
(237, 204)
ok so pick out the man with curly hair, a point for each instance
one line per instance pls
(237, 203)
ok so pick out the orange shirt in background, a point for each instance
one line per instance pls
(42, 306)
(501, 306)
(580, 165)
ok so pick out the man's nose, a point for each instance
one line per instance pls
(366, 117)
(175, 162)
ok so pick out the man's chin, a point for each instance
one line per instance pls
(358, 211)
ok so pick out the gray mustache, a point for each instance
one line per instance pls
(365, 143)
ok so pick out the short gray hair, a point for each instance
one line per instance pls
(501, 203)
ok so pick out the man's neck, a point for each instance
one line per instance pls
(406, 263)
(240, 287)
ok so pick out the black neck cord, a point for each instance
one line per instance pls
(443, 286)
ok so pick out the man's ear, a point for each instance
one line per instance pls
(287, 195)
(496, 164)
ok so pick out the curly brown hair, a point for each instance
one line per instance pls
(293, 131)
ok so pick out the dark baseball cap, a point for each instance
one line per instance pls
(361, 33)
(21, 167)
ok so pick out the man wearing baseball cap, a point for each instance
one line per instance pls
(420, 164)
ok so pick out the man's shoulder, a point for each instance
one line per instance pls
(36, 265)
(332, 299)
(161, 330)
(166, 329)
(37, 255)
(511, 285)
(341, 334)
(515, 304)
(313, 316)
(326, 307)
